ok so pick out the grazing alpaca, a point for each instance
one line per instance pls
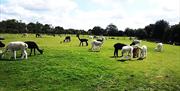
(136, 52)
(2, 44)
(135, 42)
(82, 40)
(143, 51)
(32, 45)
(96, 45)
(117, 46)
(159, 47)
(129, 50)
(15, 46)
(24, 35)
(67, 39)
(38, 35)
(91, 37)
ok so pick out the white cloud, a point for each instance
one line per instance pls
(66, 13)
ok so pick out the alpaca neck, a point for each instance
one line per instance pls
(79, 38)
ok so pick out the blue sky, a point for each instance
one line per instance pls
(85, 14)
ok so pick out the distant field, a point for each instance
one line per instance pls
(68, 67)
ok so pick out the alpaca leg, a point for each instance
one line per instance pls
(34, 51)
(22, 54)
(86, 43)
(25, 53)
(80, 44)
(122, 53)
(115, 53)
(30, 52)
(131, 54)
(14, 53)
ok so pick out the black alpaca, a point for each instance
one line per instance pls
(67, 39)
(118, 46)
(38, 35)
(32, 45)
(2, 44)
(82, 40)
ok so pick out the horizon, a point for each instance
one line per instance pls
(85, 14)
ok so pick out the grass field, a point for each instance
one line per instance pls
(68, 67)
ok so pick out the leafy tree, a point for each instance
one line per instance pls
(160, 29)
(97, 30)
(129, 32)
(112, 30)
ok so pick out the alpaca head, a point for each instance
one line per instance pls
(41, 51)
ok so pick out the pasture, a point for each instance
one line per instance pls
(68, 67)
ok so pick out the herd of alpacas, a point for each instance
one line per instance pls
(133, 50)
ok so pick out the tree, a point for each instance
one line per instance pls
(149, 30)
(175, 34)
(97, 30)
(112, 30)
(141, 33)
(59, 30)
(129, 32)
(160, 29)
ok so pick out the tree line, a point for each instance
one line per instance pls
(160, 31)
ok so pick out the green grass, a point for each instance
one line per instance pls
(68, 67)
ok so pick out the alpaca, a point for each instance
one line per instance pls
(91, 37)
(159, 47)
(136, 52)
(96, 45)
(67, 39)
(2, 44)
(82, 40)
(128, 49)
(38, 35)
(32, 45)
(15, 46)
(117, 46)
(143, 51)
(24, 35)
(135, 42)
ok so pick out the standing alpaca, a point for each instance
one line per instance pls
(96, 45)
(32, 45)
(136, 42)
(136, 51)
(82, 40)
(117, 46)
(143, 51)
(129, 50)
(38, 35)
(67, 39)
(159, 47)
(15, 46)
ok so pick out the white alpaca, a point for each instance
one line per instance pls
(96, 45)
(15, 46)
(159, 47)
(91, 37)
(143, 51)
(127, 49)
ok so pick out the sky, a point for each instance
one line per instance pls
(85, 14)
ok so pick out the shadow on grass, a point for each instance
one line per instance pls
(17, 59)
(92, 51)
